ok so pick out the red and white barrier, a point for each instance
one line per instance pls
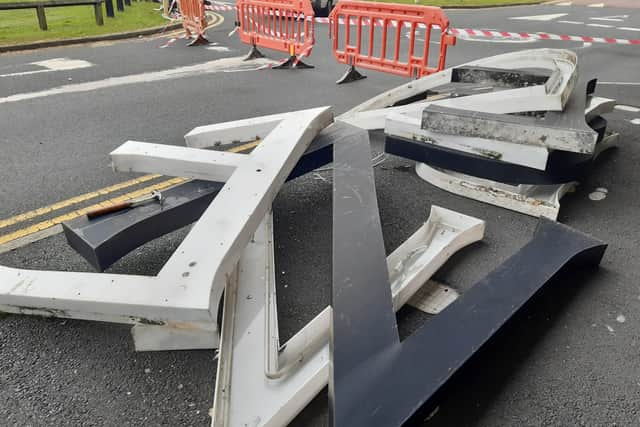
(387, 59)
(194, 20)
(276, 24)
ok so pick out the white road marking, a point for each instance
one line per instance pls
(618, 18)
(635, 121)
(564, 3)
(620, 83)
(54, 64)
(600, 25)
(596, 5)
(218, 48)
(627, 108)
(571, 22)
(629, 28)
(549, 17)
(228, 65)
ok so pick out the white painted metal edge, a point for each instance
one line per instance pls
(608, 142)
(542, 98)
(175, 336)
(238, 131)
(407, 127)
(245, 395)
(534, 200)
(422, 254)
(598, 106)
(172, 160)
(243, 305)
(187, 291)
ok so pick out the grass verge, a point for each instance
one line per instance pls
(21, 26)
(464, 3)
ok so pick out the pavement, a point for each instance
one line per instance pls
(570, 358)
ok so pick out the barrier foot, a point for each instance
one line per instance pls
(291, 63)
(254, 53)
(351, 76)
(200, 39)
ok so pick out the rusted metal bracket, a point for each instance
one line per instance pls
(377, 380)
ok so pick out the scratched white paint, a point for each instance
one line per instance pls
(596, 5)
(600, 25)
(571, 22)
(54, 64)
(629, 28)
(234, 64)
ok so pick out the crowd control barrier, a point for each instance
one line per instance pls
(194, 20)
(382, 52)
(282, 25)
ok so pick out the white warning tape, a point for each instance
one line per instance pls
(539, 36)
(474, 32)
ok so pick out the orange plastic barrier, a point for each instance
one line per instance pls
(194, 20)
(283, 25)
(401, 19)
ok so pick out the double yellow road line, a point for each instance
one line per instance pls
(46, 224)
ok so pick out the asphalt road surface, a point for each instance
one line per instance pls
(570, 358)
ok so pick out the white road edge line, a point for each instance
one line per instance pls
(628, 108)
(234, 64)
(620, 83)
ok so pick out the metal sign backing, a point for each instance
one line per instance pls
(377, 380)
